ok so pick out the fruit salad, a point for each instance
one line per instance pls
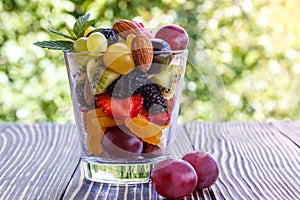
(125, 83)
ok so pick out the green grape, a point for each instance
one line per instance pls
(81, 51)
(80, 44)
(97, 42)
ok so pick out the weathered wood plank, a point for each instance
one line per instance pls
(36, 160)
(80, 188)
(256, 161)
(291, 129)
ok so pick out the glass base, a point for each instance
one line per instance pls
(117, 173)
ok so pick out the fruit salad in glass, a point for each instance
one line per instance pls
(125, 85)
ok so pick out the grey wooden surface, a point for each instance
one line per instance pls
(257, 161)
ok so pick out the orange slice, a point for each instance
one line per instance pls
(103, 120)
(94, 133)
(142, 127)
(155, 139)
(95, 123)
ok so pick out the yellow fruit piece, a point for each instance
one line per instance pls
(97, 42)
(118, 58)
(142, 127)
(88, 30)
(102, 119)
(166, 126)
(129, 40)
(95, 123)
(155, 139)
(80, 46)
(94, 144)
(94, 133)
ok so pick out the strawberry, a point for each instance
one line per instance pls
(160, 119)
(120, 108)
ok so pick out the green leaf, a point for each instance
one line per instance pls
(71, 32)
(81, 24)
(62, 34)
(56, 45)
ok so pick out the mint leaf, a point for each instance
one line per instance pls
(61, 34)
(81, 24)
(56, 45)
(71, 32)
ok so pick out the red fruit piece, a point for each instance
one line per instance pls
(142, 28)
(120, 108)
(160, 119)
(151, 151)
(174, 35)
(173, 178)
(205, 166)
(119, 142)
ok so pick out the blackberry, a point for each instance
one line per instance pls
(110, 35)
(128, 84)
(154, 101)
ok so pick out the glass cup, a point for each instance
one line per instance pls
(126, 118)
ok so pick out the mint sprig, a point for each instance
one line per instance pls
(56, 45)
(62, 34)
(81, 24)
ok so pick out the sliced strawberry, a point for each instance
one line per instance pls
(120, 108)
(160, 119)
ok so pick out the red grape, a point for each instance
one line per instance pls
(121, 143)
(174, 35)
(151, 151)
(174, 178)
(205, 166)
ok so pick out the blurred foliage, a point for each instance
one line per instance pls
(243, 62)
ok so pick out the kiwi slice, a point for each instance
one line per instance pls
(168, 79)
(100, 76)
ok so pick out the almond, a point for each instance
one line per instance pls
(125, 27)
(142, 52)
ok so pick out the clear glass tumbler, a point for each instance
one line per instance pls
(126, 117)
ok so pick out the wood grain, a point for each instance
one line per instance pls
(291, 129)
(80, 188)
(36, 160)
(256, 161)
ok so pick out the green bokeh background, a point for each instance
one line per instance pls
(244, 62)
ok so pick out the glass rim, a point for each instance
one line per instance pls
(174, 52)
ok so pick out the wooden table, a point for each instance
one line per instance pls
(256, 160)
